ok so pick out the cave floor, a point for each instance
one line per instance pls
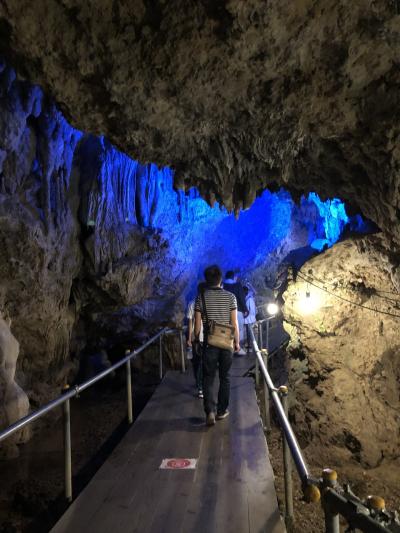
(231, 488)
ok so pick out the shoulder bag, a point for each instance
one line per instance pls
(217, 334)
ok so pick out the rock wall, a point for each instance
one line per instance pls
(40, 254)
(92, 241)
(233, 95)
(14, 403)
(345, 358)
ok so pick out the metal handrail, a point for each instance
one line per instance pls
(370, 517)
(64, 400)
(22, 422)
(298, 458)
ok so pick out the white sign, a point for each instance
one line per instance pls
(178, 464)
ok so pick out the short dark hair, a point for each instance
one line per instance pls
(230, 274)
(213, 275)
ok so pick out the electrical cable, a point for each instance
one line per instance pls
(301, 276)
(397, 300)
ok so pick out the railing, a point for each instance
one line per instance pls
(65, 398)
(370, 516)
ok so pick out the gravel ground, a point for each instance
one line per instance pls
(382, 481)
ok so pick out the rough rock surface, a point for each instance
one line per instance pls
(14, 403)
(233, 95)
(76, 252)
(345, 358)
(40, 254)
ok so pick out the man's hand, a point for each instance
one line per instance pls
(246, 314)
(189, 343)
(237, 347)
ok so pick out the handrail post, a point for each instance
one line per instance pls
(287, 465)
(183, 367)
(329, 479)
(160, 357)
(257, 363)
(260, 335)
(129, 389)
(267, 334)
(267, 417)
(67, 448)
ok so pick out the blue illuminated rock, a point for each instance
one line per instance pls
(234, 96)
(94, 241)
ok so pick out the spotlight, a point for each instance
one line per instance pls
(272, 309)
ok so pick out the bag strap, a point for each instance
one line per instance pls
(206, 326)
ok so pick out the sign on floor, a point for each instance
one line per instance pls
(178, 464)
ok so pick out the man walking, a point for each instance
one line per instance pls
(219, 305)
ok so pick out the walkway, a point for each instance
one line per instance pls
(230, 491)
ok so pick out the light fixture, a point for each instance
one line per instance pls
(272, 309)
(309, 303)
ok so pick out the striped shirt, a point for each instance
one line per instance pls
(219, 304)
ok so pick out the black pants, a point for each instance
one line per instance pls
(214, 358)
(198, 366)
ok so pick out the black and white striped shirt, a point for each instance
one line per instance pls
(219, 304)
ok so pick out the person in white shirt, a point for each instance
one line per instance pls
(250, 319)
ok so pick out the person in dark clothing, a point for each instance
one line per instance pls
(197, 347)
(232, 285)
(221, 306)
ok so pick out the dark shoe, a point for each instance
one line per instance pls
(210, 420)
(221, 416)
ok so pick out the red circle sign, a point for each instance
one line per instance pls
(178, 463)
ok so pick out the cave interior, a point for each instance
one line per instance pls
(139, 145)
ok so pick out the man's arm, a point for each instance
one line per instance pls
(190, 331)
(197, 324)
(234, 322)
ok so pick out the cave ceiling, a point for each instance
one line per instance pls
(234, 95)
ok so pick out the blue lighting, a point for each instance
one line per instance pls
(196, 234)
(117, 193)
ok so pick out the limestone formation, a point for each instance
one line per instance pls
(345, 352)
(14, 403)
(38, 233)
(233, 95)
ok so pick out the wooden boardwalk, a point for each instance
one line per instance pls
(230, 491)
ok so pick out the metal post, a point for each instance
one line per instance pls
(287, 465)
(267, 339)
(260, 336)
(67, 448)
(129, 389)
(329, 479)
(183, 367)
(257, 363)
(267, 418)
(160, 357)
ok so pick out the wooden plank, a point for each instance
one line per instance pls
(162, 487)
(230, 491)
(224, 498)
(242, 364)
(124, 470)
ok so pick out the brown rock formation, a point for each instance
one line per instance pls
(345, 366)
(234, 95)
(14, 403)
